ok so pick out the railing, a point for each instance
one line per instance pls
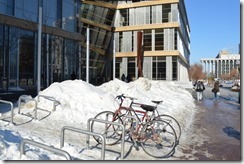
(84, 132)
(27, 98)
(52, 149)
(48, 98)
(12, 109)
(108, 122)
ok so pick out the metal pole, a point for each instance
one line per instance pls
(87, 54)
(39, 47)
(114, 59)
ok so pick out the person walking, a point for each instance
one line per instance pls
(199, 87)
(123, 77)
(216, 92)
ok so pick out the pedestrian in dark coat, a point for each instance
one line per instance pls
(199, 87)
(216, 92)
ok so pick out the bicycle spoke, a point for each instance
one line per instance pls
(158, 138)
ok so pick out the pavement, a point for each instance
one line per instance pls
(216, 130)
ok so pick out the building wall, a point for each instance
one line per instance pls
(165, 34)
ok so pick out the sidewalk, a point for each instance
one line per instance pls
(218, 127)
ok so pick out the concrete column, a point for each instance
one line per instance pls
(217, 70)
(205, 66)
(169, 68)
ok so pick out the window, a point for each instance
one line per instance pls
(124, 17)
(175, 39)
(166, 10)
(159, 39)
(147, 40)
(175, 68)
(131, 66)
(159, 68)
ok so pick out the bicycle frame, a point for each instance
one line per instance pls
(130, 112)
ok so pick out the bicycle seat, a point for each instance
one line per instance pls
(148, 107)
(157, 102)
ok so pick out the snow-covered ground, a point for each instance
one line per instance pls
(77, 102)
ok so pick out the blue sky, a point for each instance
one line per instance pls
(214, 25)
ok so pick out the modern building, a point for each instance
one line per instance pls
(111, 28)
(165, 42)
(222, 64)
(19, 42)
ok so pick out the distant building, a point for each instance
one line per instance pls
(222, 64)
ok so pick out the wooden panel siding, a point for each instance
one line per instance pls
(32, 26)
(147, 26)
(129, 5)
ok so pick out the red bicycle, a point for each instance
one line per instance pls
(156, 137)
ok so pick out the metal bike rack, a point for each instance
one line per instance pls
(48, 98)
(113, 123)
(27, 98)
(52, 149)
(12, 109)
(84, 132)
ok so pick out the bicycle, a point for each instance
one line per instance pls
(155, 113)
(156, 137)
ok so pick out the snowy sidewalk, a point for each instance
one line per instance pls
(215, 131)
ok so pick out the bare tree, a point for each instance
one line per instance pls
(196, 72)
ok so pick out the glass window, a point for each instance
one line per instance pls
(166, 10)
(147, 40)
(175, 68)
(175, 39)
(27, 9)
(131, 67)
(159, 68)
(50, 13)
(7, 7)
(124, 17)
(159, 39)
(117, 67)
(110, 17)
(68, 16)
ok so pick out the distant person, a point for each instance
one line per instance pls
(199, 87)
(216, 92)
(123, 77)
(128, 78)
(73, 76)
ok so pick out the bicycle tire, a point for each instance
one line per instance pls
(173, 122)
(158, 138)
(111, 132)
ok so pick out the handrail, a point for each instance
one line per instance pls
(52, 149)
(49, 98)
(113, 123)
(26, 97)
(84, 132)
(12, 109)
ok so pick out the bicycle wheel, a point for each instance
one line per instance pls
(127, 119)
(158, 138)
(111, 132)
(173, 122)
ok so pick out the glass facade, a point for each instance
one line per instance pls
(61, 53)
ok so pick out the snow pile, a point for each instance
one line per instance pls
(77, 102)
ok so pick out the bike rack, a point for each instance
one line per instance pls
(52, 149)
(84, 132)
(12, 110)
(108, 122)
(48, 98)
(27, 98)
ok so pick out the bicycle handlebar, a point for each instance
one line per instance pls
(122, 96)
